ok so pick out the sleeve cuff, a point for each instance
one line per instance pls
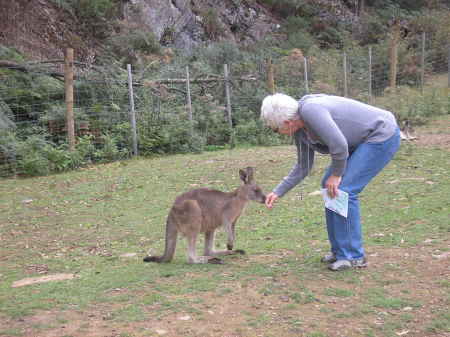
(338, 167)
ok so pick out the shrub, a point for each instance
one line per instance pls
(172, 134)
(31, 156)
(8, 150)
(109, 150)
(59, 158)
(218, 54)
(85, 151)
(254, 133)
(211, 24)
(300, 39)
(128, 45)
(411, 105)
(93, 9)
(210, 121)
(294, 24)
(95, 15)
(285, 8)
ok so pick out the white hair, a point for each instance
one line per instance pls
(278, 108)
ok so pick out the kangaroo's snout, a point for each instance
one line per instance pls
(263, 199)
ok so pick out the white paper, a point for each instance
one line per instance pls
(338, 204)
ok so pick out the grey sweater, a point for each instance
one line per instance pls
(334, 125)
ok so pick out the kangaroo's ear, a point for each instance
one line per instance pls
(243, 175)
(250, 171)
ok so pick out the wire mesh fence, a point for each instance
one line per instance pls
(180, 108)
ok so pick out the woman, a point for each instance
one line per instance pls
(361, 140)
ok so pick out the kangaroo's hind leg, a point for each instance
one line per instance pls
(190, 223)
(192, 255)
(209, 247)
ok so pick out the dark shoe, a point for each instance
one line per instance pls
(329, 258)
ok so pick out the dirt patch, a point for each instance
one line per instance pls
(284, 305)
(434, 134)
(43, 279)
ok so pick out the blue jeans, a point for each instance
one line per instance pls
(363, 164)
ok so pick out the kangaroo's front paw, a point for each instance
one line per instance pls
(229, 246)
(215, 260)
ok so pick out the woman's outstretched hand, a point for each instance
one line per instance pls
(332, 185)
(270, 199)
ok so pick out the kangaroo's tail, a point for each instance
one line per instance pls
(171, 243)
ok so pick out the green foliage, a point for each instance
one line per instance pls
(220, 53)
(436, 25)
(38, 156)
(58, 112)
(95, 15)
(86, 151)
(6, 116)
(174, 136)
(300, 39)
(59, 158)
(328, 34)
(127, 46)
(285, 8)
(211, 121)
(8, 149)
(410, 105)
(372, 30)
(255, 133)
(31, 156)
(109, 149)
(35, 154)
(211, 24)
(10, 54)
(94, 9)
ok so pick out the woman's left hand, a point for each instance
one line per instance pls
(332, 185)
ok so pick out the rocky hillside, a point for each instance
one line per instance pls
(42, 29)
(185, 24)
(134, 29)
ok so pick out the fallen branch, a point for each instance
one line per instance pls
(27, 69)
(197, 80)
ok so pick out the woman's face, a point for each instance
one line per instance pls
(290, 127)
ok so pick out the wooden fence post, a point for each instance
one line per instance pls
(270, 77)
(345, 75)
(305, 62)
(189, 102)
(448, 67)
(393, 52)
(68, 83)
(228, 100)
(422, 71)
(370, 74)
(132, 111)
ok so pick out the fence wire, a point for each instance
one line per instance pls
(33, 108)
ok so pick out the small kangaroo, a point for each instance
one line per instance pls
(203, 210)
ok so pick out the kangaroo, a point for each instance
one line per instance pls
(203, 210)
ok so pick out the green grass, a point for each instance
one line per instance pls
(336, 292)
(82, 222)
